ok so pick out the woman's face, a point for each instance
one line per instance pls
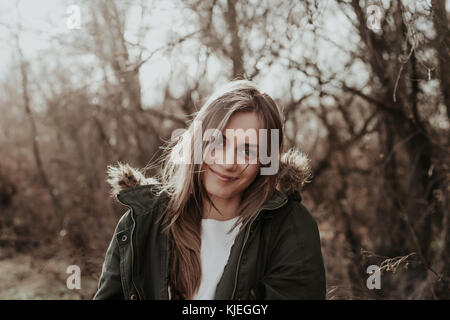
(232, 163)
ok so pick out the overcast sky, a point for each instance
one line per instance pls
(43, 19)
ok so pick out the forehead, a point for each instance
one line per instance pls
(245, 121)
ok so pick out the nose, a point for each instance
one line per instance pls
(228, 159)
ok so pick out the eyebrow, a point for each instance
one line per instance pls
(246, 144)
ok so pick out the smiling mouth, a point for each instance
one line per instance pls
(222, 177)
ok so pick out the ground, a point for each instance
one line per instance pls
(25, 277)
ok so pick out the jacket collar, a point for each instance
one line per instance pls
(137, 197)
(275, 201)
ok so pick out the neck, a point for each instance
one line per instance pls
(227, 207)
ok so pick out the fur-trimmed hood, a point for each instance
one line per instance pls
(293, 173)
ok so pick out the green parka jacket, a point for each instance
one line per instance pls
(277, 256)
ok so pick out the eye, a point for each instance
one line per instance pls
(218, 141)
(248, 152)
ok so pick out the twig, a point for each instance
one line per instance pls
(400, 73)
(416, 241)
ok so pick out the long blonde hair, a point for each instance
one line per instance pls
(183, 184)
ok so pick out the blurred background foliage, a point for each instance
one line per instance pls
(370, 106)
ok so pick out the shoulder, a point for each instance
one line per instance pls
(294, 220)
(133, 189)
(143, 202)
(303, 223)
(298, 213)
(141, 199)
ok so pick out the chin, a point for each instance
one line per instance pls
(216, 190)
(220, 195)
(219, 192)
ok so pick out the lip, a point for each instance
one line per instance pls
(222, 177)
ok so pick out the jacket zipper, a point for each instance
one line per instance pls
(132, 253)
(245, 240)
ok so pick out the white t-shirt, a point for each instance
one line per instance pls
(214, 253)
(215, 250)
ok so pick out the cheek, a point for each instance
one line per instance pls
(208, 179)
(208, 158)
(249, 174)
(204, 174)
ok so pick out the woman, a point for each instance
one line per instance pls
(223, 219)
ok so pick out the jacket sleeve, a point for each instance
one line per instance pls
(295, 269)
(110, 285)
